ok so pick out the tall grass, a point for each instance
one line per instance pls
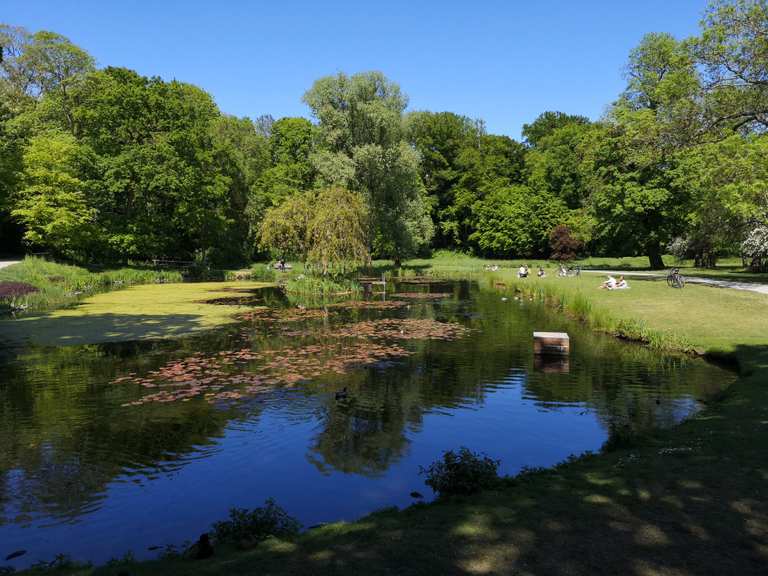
(61, 284)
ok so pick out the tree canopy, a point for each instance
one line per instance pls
(104, 164)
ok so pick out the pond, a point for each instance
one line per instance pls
(106, 448)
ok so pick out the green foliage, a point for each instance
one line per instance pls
(515, 222)
(284, 229)
(732, 52)
(361, 126)
(256, 525)
(461, 473)
(727, 183)
(548, 123)
(108, 165)
(328, 229)
(337, 232)
(557, 164)
(53, 201)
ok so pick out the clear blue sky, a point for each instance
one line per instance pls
(502, 61)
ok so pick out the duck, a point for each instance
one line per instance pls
(201, 549)
(342, 395)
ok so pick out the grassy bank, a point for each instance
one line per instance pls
(727, 268)
(57, 285)
(686, 501)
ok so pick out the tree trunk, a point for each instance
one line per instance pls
(654, 257)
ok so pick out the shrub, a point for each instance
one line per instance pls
(562, 243)
(256, 524)
(620, 437)
(462, 472)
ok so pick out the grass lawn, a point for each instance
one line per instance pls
(137, 312)
(688, 501)
(727, 268)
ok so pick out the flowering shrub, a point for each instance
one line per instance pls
(755, 246)
(16, 289)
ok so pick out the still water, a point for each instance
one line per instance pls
(91, 468)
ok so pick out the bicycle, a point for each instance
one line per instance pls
(675, 279)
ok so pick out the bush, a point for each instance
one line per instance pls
(562, 243)
(460, 473)
(620, 437)
(257, 524)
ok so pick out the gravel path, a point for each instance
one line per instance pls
(4, 263)
(749, 286)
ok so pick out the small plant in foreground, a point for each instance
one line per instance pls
(461, 472)
(257, 524)
(620, 437)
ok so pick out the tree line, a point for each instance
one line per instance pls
(108, 165)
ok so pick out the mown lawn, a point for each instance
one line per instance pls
(687, 501)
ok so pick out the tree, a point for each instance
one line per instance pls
(496, 161)
(326, 229)
(733, 52)
(52, 202)
(356, 110)
(284, 229)
(514, 221)
(727, 183)
(547, 123)
(361, 126)
(441, 139)
(562, 244)
(242, 155)
(556, 164)
(662, 77)
(337, 232)
(638, 209)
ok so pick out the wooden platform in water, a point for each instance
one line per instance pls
(554, 343)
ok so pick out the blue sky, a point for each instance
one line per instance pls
(504, 62)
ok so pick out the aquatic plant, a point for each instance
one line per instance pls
(60, 284)
(460, 473)
(229, 375)
(423, 295)
(393, 329)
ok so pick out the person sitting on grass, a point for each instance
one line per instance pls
(609, 284)
(541, 273)
(621, 284)
(522, 272)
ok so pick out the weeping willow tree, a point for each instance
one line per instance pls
(283, 230)
(337, 233)
(327, 229)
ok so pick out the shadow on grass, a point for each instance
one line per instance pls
(95, 328)
(688, 501)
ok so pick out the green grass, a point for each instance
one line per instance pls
(727, 268)
(687, 501)
(61, 284)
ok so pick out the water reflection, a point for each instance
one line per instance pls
(83, 474)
